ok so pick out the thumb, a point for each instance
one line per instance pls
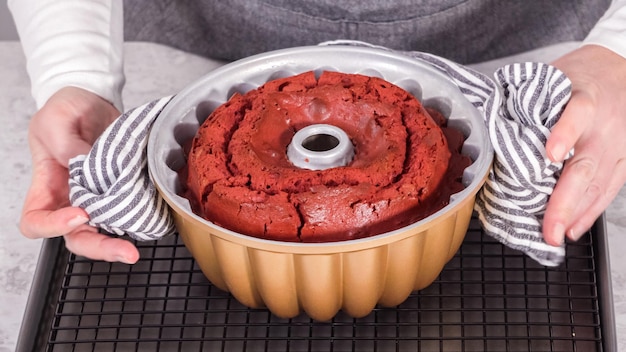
(72, 149)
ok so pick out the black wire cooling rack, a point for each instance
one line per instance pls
(487, 298)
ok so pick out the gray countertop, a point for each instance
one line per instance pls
(154, 71)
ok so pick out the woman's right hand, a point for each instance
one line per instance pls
(66, 126)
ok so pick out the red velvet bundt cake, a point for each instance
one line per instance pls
(406, 162)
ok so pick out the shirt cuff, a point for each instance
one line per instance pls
(610, 31)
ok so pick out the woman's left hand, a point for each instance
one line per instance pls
(594, 125)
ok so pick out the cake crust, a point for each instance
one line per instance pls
(406, 162)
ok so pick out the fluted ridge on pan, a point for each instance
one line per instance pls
(323, 284)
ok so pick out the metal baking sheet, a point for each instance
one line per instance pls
(487, 298)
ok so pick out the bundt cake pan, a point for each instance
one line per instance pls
(319, 278)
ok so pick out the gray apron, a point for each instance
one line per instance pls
(465, 31)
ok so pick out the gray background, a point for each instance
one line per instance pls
(7, 27)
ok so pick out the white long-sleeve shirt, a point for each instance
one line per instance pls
(51, 29)
(72, 43)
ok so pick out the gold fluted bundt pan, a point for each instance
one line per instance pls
(353, 275)
(319, 278)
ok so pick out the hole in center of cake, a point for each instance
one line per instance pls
(319, 147)
(320, 142)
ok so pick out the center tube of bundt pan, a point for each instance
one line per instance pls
(319, 147)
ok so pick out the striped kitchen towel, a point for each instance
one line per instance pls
(112, 183)
(512, 202)
(519, 108)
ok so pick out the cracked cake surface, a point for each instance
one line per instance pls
(405, 167)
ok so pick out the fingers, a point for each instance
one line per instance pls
(585, 219)
(80, 239)
(578, 188)
(576, 176)
(46, 210)
(591, 179)
(87, 242)
(573, 123)
(47, 223)
(564, 201)
(46, 213)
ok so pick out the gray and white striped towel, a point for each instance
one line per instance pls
(512, 202)
(112, 184)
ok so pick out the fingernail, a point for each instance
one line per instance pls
(76, 221)
(558, 152)
(575, 234)
(123, 259)
(559, 233)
